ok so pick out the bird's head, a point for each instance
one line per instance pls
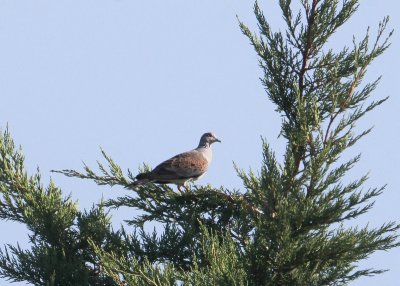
(207, 139)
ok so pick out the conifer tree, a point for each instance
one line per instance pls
(287, 226)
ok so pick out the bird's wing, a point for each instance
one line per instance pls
(188, 165)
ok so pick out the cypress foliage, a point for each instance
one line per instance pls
(286, 227)
(58, 232)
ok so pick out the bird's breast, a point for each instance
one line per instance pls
(207, 154)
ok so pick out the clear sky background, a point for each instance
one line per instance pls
(144, 80)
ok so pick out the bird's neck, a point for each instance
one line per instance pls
(204, 145)
(205, 150)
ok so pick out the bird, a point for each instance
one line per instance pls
(184, 167)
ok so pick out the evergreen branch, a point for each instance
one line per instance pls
(285, 228)
(307, 47)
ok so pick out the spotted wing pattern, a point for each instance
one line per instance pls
(183, 166)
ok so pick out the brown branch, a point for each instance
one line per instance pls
(305, 53)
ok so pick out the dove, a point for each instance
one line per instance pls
(184, 167)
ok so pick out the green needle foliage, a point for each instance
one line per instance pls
(288, 226)
(58, 232)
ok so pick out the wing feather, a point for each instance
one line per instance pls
(188, 165)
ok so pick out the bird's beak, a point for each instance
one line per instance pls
(217, 140)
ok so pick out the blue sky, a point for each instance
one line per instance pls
(144, 80)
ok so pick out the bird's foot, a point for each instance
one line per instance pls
(185, 189)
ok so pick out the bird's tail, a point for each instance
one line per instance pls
(140, 179)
